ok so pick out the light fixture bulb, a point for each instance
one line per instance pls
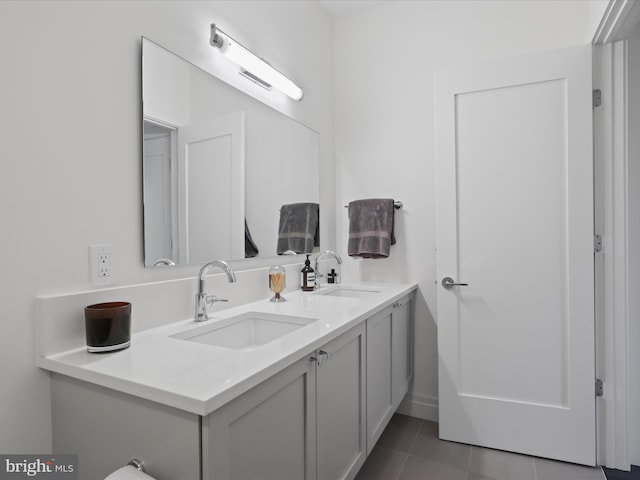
(254, 64)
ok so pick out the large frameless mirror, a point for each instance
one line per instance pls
(218, 166)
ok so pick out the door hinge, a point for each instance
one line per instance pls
(597, 97)
(597, 243)
(599, 388)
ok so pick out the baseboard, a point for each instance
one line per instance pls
(420, 406)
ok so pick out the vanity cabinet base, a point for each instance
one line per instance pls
(306, 422)
(316, 419)
(106, 429)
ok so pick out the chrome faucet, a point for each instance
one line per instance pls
(326, 253)
(202, 299)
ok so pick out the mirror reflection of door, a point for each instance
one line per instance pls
(210, 183)
(158, 146)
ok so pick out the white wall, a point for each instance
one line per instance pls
(71, 143)
(385, 58)
(633, 176)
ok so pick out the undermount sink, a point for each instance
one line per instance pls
(247, 331)
(345, 291)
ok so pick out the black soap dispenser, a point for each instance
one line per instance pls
(308, 276)
(331, 277)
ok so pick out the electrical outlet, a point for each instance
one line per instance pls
(102, 265)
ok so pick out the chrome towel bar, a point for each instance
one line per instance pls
(397, 205)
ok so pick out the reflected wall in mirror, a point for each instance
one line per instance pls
(218, 165)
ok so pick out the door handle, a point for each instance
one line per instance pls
(448, 283)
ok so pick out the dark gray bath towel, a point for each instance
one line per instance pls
(371, 228)
(299, 227)
(250, 247)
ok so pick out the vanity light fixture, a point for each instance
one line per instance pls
(252, 66)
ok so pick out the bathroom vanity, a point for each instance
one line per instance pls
(294, 390)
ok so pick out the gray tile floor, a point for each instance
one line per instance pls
(409, 449)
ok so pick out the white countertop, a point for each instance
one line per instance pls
(200, 378)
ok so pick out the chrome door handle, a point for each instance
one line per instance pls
(448, 283)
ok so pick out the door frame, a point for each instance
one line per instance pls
(612, 220)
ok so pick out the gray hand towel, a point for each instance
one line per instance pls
(299, 227)
(371, 228)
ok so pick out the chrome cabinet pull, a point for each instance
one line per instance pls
(448, 283)
(322, 355)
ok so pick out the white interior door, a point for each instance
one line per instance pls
(211, 189)
(515, 222)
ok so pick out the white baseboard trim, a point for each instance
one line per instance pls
(420, 406)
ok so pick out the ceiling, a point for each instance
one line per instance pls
(337, 8)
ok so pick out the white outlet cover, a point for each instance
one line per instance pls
(97, 265)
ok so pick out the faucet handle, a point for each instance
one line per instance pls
(211, 299)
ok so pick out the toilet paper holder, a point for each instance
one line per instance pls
(139, 464)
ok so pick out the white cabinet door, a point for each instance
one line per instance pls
(515, 222)
(267, 433)
(401, 349)
(379, 385)
(389, 365)
(341, 406)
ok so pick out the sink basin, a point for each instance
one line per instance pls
(247, 331)
(352, 292)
